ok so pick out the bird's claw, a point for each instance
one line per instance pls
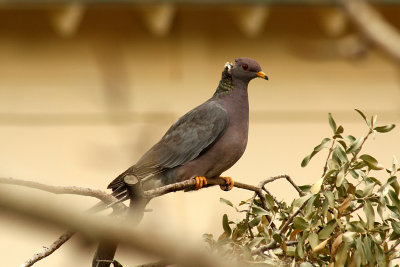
(200, 182)
(228, 183)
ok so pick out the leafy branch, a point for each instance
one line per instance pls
(335, 222)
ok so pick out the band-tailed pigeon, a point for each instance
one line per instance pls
(203, 143)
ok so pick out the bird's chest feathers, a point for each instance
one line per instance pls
(234, 141)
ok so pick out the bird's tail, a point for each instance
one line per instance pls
(118, 185)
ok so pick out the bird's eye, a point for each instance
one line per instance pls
(245, 66)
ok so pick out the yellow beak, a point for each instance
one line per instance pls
(262, 75)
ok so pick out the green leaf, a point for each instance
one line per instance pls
(322, 144)
(340, 178)
(317, 186)
(225, 201)
(362, 115)
(341, 255)
(305, 188)
(358, 259)
(343, 143)
(348, 237)
(305, 161)
(395, 164)
(368, 243)
(350, 138)
(385, 129)
(332, 122)
(373, 180)
(354, 174)
(310, 208)
(360, 248)
(300, 245)
(313, 239)
(333, 165)
(371, 162)
(327, 230)
(373, 120)
(225, 225)
(338, 151)
(389, 181)
(259, 211)
(396, 227)
(395, 200)
(256, 221)
(394, 209)
(316, 149)
(255, 242)
(325, 207)
(340, 129)
(299, 201)
(379, 209)
(370, 214)
(355, 145)
(395, 185)
(368, 189)
(269, 201)
(331, 198)
(277, 237)
(300, 223)
(380, 256)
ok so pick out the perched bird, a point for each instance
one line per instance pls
(203, 143)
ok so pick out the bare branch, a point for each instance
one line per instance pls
(106, 229)
(281, 176)
(187, 184)
(373, 26)
(111, 201)
(49, 250)
(101, 195)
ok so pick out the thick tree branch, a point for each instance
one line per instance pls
(111, 201)
(373, 26)
(74, 190)
(48, 213)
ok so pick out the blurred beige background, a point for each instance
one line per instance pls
(86, 90)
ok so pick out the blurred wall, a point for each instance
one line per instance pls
(84, 93)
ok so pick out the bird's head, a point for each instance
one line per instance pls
(245, 69)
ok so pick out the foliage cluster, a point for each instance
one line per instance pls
(348, 217)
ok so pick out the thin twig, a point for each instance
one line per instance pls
(273, 197)
(49, 250)
(327, 158)
(282, 176)
(350, 212)
(154, 264)
(273, 244)
(354, 158)
(394, 246)
(248, 215)
(301, 193)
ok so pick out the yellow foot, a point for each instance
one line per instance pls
(229, 183)
(200, 182)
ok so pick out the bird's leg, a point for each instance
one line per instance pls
(200, 182)
(229, 183)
